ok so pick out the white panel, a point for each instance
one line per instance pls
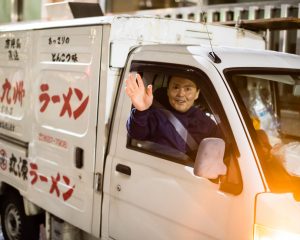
(15, 85)
(65, 97)
(65, 91)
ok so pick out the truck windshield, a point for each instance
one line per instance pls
(270, 103)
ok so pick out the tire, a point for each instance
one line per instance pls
(15, 224)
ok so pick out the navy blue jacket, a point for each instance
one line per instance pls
(153, 125)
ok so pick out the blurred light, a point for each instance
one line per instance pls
(265, 233)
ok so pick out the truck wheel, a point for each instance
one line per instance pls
(15, 224)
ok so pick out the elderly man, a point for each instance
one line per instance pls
(179, 125)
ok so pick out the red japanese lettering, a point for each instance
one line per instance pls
(82, 106)
(33, 173)
(54, 186)
(6, 89)
(67, 107)
(44, 97)
(19, 92)
(43, 179)
(55, 99)
(68, 193)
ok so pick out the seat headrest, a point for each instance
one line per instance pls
(160, 95)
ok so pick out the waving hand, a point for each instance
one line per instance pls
(141, 98)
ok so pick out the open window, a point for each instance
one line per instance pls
(207, 103)
(159, 77)
(270, 102)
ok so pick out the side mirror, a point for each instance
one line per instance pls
(209, 160)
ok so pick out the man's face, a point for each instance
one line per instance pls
(182, 93)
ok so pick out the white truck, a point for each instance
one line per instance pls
(66, 160)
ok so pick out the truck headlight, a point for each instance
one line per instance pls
(265, 233)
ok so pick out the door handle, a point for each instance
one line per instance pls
(79, 157)
(123, 169)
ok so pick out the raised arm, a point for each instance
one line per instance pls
(140, 96)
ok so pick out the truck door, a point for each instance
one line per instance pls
(153, 192)
(65, 99)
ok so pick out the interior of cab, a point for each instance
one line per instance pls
(209, 103)
(159, 81)
(271, 103)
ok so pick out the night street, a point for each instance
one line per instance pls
(149, 119)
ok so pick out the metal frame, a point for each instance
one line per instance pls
(286, 39)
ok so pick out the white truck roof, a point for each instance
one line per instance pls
(154, 29)
(126, 32)
(232, 57)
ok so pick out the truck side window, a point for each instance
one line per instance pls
(270, 103)
(177, 121)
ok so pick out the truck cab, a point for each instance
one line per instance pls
(252, 96)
